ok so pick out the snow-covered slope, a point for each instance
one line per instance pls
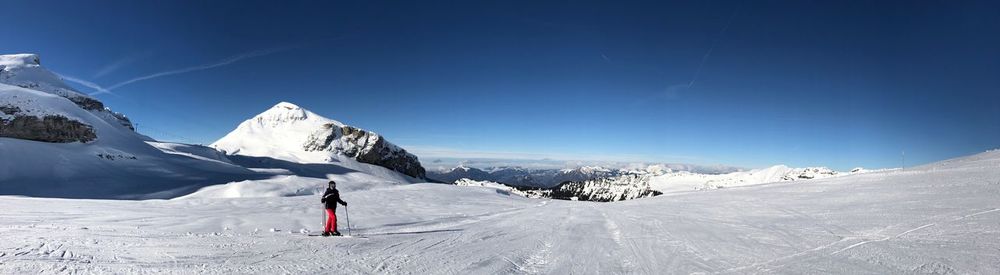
(941, 218)
(289, 133)
(54, 141)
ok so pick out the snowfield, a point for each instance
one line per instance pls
(938, 218)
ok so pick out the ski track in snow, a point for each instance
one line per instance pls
(941, 218)
(901, 234)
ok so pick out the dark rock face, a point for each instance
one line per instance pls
(366, 147)
(123, 120)
(87, 103)
(374, 150)
(57, 129)
(9, 109)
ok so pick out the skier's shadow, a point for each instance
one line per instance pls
(415, 232)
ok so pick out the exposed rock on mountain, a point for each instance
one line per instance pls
(50, 128)
(364, 146)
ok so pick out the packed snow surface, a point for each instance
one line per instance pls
(939, 218)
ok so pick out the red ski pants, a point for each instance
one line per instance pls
(331, 221)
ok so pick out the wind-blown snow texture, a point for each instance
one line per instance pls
(938, 218)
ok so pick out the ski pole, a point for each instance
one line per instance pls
(348, 216)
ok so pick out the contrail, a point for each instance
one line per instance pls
(708, 53)
(92, 85)
(117, 64)
(224, 62)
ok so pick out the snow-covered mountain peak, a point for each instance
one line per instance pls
(21, 59)
(286, 105)
(25, 71)
(292, 133)
(286, 114)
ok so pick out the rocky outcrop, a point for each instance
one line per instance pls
(50, 128)
(87, 103)
(814, 172)
(366, 147)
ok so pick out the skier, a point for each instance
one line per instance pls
(330, 199)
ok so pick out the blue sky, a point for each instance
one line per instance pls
(749, 83)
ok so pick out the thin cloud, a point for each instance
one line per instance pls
(224, 62)
(87, 84)
(114, 66)
(605, 57)
(704, 58)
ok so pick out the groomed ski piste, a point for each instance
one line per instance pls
(938, 218)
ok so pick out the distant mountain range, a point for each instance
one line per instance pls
(547, 178)
(616, 185)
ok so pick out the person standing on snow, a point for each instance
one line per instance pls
(330, 199)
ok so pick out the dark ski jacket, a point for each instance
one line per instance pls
(331, 197)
